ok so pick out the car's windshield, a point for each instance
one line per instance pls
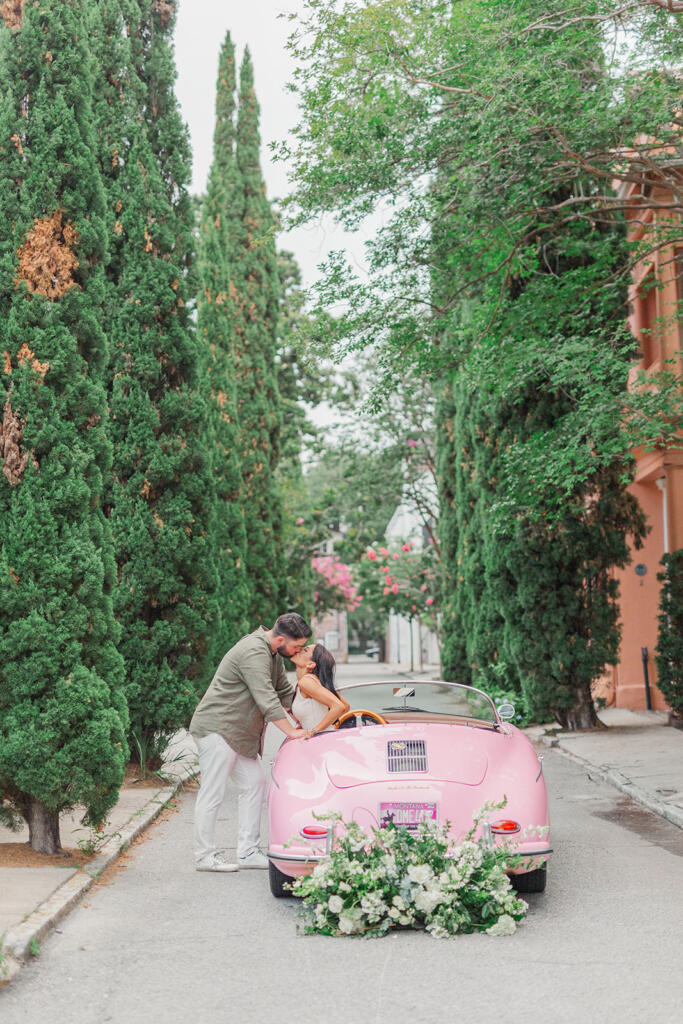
(448, 699)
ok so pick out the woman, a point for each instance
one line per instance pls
(316, 704)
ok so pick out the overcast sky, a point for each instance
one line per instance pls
(200, 30)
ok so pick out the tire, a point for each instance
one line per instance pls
(532, 881)
(278, 881)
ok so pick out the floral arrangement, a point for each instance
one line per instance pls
(414, 879)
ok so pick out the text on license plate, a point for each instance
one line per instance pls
(407, 815)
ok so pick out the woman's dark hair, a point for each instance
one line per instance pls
(325, 666)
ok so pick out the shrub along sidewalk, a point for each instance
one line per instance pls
(36, 890)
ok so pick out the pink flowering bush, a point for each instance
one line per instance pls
(402, 580)
(338, 587)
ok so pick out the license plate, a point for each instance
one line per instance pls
(407, 815)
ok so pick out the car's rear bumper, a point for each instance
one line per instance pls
(301, 862)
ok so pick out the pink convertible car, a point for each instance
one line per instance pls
(420, 752)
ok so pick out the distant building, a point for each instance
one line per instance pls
(410, 643)
(332, 631)
(656, 320)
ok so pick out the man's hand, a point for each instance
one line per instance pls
(301, 734)
(285, 726)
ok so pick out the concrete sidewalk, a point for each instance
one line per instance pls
(34, 896)
(638, 753)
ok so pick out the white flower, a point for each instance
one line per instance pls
(427, 900)
(344, 887)
(346, 925)
(395, 913)
(399, 902)
(505, 925)
(335, 903)
(420, 873)
(405, 919)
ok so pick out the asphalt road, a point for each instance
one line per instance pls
(159, 941)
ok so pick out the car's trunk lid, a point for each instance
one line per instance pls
(435, 751)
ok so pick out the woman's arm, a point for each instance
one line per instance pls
(310, 687)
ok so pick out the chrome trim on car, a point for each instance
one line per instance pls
(298, 858)
(540, 767)
(406, 756)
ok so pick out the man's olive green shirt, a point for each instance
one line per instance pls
(250, 688)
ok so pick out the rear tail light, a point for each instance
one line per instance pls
(314, 832)
(505, 827)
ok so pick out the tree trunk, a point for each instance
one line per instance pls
(582, 715)
(43, 828)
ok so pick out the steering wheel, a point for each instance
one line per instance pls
(354, 718)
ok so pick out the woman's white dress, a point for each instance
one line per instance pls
(308, 710)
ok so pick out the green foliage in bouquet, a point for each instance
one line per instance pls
(398, 878)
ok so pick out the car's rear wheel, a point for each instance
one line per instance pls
(278, 881)
(532, 881)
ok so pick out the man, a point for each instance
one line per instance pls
(249, 689)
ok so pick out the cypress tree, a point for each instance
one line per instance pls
(255, 295)
(161, 494)
(62, 709)
(216, 331)
(670, 638)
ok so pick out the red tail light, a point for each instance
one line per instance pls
(314, 832)
(505, 827)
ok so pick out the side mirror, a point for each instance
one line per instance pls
(506, 711)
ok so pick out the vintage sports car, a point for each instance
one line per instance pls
(419, 752)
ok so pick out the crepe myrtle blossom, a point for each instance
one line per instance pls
(337, 576)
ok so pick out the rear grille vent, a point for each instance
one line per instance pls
(406, 756)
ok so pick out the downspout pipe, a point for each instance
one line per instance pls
(661, 483)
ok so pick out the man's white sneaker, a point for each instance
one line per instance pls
(216, 862)
(255, 859)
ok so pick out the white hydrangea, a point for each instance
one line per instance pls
(346, 924)
(399, 902)
(336, 904)
(427, 900)
(420, 873)
(505, 925)
(395, 913)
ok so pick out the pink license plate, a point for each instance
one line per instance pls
(407, 815)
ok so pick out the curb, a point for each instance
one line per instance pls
(620, 781)
(22, 942)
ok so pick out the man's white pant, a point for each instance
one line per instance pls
(218, 762)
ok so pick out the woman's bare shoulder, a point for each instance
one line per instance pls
(308, 680)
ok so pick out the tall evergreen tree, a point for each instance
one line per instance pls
(161, 494)
(216, 331)
(62, 709)
(255, 294)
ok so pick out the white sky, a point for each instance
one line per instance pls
(200, 31)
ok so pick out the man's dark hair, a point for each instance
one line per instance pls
(292, 625)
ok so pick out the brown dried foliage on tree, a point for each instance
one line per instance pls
(25, 355)
(12, 12)
(46, 259)
(14, 458)
(165, 9)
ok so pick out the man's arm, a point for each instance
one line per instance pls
(255, 669)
